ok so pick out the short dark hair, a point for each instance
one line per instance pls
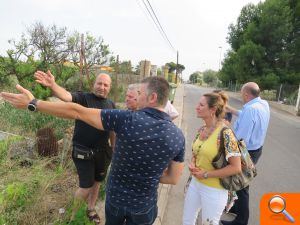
(160, 86)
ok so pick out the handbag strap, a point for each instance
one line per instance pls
(222, 145)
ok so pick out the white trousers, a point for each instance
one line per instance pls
(211, 201)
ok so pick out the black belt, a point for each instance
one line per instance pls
(84, 148)
(256, 150)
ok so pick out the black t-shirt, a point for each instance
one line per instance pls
(85, 134)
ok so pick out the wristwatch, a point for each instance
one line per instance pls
(205, 175)
(32, 105)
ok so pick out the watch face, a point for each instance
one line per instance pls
(31, 107)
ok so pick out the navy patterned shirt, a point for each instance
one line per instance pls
(147, 141)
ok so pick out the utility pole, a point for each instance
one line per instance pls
(176, 69)
(144, 75)
(116, 81)
(220, 47)
(298, 103)
(81, 62)
(87, 72)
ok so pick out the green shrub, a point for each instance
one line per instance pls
(14, 198)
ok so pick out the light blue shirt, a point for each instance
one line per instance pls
(252, 123)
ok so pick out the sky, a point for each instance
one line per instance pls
(197, 29)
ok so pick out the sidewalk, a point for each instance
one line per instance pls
(163, 190)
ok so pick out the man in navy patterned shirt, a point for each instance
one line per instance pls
(149, 148)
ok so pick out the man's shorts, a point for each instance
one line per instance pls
(93, 169)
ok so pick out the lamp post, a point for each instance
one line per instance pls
(203, 65)
(220, 47)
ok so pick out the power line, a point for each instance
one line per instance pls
(160, 25)
(157, 23)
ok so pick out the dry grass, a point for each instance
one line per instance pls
(33, 195)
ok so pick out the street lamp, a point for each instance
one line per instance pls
(220, 47)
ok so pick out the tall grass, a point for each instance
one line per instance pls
(27, 123)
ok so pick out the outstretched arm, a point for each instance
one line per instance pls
(59, 109)
(48, 80)
(232, 110)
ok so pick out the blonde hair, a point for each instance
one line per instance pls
(219, 100)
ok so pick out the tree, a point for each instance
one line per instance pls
(173, 67)
(46, 43)
(249, 14)
(210, 77)
(124, 67)
(38, 48)
(43, 48)
(180, 68)
(96, 51)
(196, 77)
(265, 44)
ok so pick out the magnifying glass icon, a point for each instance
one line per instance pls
(277, 205)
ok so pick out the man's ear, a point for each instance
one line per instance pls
(153, 98)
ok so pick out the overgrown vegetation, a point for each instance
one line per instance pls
(265, 45)
(33, 190)
(37, 193)
(26, 123)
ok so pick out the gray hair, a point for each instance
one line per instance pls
(133, 87)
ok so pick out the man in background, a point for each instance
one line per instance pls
(251, 125)
(132, 104)
(131, 97)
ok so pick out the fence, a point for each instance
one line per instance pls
(120, 83)
(283, 93)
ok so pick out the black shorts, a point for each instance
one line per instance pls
(93, 169)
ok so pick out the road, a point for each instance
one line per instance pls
(278, 168)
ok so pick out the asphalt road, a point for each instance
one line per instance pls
(278, 168)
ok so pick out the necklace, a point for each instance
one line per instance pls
(205, 132)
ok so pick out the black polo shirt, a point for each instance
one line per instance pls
(85, 134)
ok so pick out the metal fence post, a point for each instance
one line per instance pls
(298, 103)
(279, 95)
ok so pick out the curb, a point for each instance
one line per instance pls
(163, 190)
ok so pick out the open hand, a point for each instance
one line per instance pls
(45, 79)
(19, 101)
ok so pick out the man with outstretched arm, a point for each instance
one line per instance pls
(148, 144)
(92, 148)
(251, 125)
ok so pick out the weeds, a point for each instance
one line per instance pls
(33, 195)
(27, 123)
